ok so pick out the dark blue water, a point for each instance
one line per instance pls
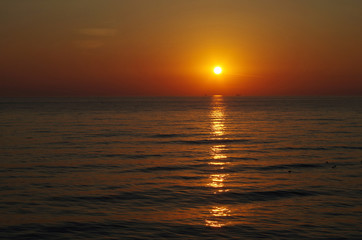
(188, 168)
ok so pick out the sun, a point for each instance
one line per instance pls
(217, 70)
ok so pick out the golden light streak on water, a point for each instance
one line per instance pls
(218, 215)
(220, 211)
(217, 155)
(217, 181)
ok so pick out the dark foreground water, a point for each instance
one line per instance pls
(188, 168)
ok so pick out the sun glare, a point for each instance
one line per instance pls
(217, 70)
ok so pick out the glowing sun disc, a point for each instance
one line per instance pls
(217, 70)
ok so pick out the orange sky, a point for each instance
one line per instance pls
(162, 47)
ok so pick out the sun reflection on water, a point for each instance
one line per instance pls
(218, 215)
(218, 158)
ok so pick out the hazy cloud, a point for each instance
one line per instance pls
(92, 38)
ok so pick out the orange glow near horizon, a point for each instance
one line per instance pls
(125, 48)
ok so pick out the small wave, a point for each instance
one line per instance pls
(181, 177)
(61, 143)
(290, 166)
(109, 142)
(120, 155)
(339, 132)
(242, 158)
(244, 167)
(111, 134)
(319, 148)
(168, 135)
(321, 119)
(138, 156)
(209, 141)
(132, 156)
(303, 149)
(42, 131)
(253, 196)
(168, 168)
(183, 196)
(270, 168)
(348, 147)
(173, 168)
(128, 229)
(151, 196)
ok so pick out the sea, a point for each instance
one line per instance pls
(211, 167)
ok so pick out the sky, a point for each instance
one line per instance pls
(170, 47)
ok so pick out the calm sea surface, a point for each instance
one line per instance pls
(187, 168)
